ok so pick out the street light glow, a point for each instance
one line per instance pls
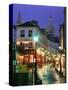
(60, 47)
(35, 38)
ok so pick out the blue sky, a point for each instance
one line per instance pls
(39, 13)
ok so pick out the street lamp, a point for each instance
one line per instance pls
(35, 39)
(60, 51)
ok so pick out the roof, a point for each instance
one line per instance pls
(28, 24)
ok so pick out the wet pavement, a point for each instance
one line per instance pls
(48, 75)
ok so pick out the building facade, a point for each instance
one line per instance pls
(26, 32)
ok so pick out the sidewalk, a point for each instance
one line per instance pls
(48, 75)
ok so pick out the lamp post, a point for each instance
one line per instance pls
(60, 51)
(35, 39)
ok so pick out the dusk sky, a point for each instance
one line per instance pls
(39, 13)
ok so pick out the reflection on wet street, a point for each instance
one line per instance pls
(48, 75)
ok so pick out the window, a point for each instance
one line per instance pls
(22, 34)
(30, 33)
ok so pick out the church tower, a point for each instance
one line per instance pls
(19, 19)
(50, 27)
